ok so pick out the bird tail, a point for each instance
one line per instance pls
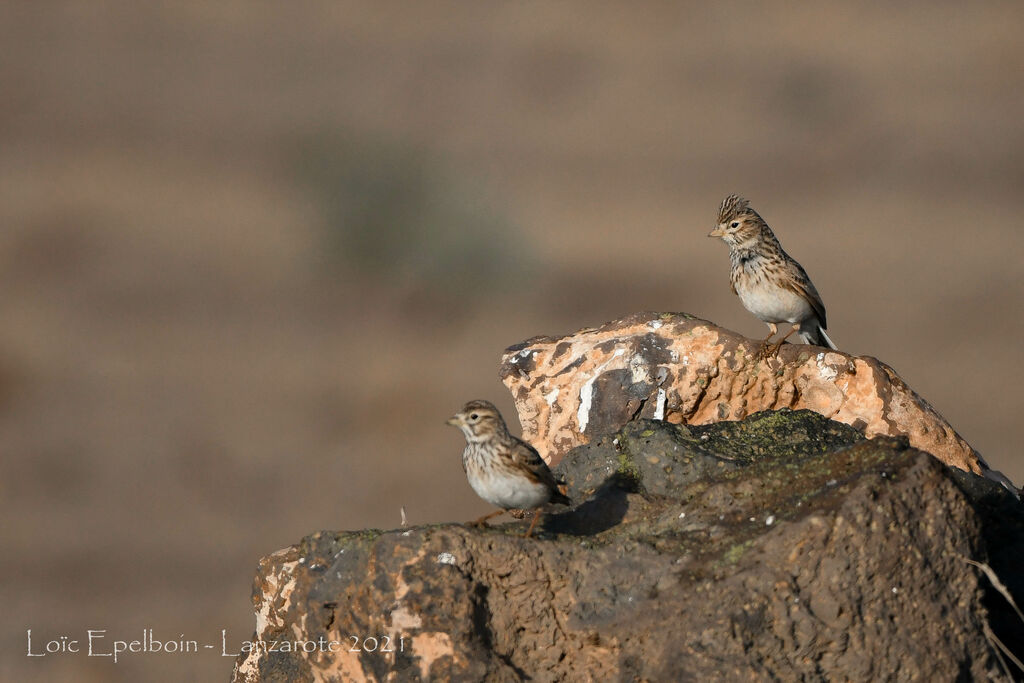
(560, 498)
(816, 335)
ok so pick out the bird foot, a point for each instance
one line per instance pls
(767, 350)
(482, 522)
(533, 523)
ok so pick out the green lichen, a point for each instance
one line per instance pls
(627, 468)
(735, 552)
(364, 535)
(775, 435)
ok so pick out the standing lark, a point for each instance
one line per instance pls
(502, 469)
(770, 284)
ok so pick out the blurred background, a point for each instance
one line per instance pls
(253, 254)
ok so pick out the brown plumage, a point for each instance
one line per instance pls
(503, 470)
(769, 282)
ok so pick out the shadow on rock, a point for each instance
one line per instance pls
(602, 510)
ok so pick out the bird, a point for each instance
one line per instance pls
(502, 469)
(769, 282)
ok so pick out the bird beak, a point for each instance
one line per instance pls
(454, 421)
(717, 232)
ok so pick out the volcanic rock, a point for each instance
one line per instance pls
(781, 547)
(682, 369)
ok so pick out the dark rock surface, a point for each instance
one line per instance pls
(663, 459)
(785, 546)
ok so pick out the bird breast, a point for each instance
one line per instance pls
(763, 296)
(510, 492)
(503, 487)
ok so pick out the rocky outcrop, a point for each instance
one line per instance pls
(784, 546)
(679, 368)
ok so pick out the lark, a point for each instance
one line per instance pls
(769, 282)
(503, 470)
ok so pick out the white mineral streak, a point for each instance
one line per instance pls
(587, 392)
(826, 372)
(659, 408)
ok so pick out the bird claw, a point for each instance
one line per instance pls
(481, 523)
(769, 351)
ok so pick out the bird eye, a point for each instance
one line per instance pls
(474, 416)
(734, 224)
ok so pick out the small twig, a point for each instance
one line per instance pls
(987, 630)
(1002, 662)
(404, 520)
(996, 583)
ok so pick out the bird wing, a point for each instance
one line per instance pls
(529, 461)
(802, 285)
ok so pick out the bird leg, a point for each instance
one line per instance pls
(536, 516)
(763, 352)
(774, 351)
(482, 522)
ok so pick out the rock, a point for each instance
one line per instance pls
(679, 368)
(662, 459)
(785, 546)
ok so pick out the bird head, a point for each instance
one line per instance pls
(479, 421)
(738, 224)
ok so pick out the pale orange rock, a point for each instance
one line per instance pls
(679, 368)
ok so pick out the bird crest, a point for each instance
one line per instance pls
(732, 207)
(485, 407)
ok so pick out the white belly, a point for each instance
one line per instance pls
(775, 304)
(510, 492)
